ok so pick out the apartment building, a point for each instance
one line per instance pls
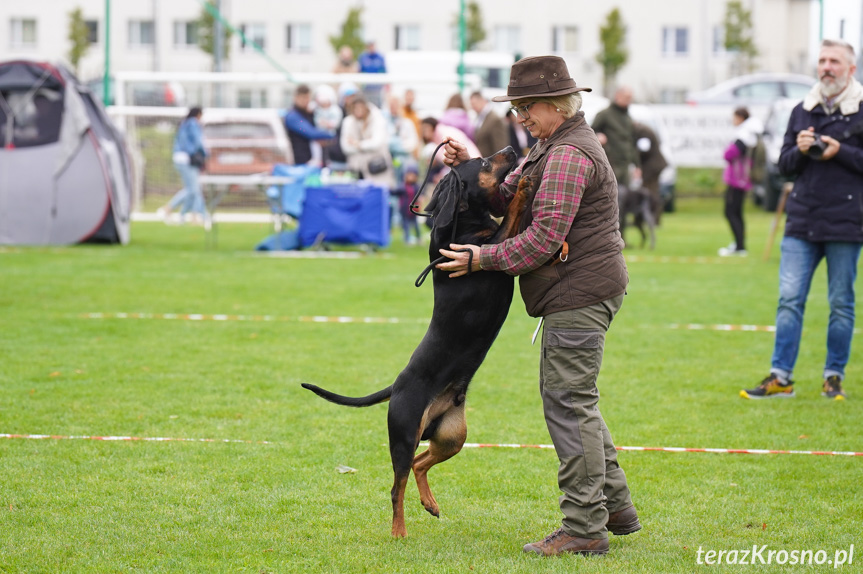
(674, 45)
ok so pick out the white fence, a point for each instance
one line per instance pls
(696, 135)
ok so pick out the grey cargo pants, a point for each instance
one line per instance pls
(592, 482)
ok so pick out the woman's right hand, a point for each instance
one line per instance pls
(454, 152)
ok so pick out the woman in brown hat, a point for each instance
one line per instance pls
(568, 256)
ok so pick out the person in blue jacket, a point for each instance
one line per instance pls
(372, 62)
(300, 124)
(823, 148)
(189, 155)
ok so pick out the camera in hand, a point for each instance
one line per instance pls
(818, 147)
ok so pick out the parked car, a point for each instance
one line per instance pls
(143, 93)
(752, 89)
(243, 142)
(766, 192)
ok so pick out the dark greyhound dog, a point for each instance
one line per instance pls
(427, 399)
(636, 203)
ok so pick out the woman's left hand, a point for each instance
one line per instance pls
(459, 264)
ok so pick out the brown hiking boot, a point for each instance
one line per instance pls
(623, 522)
(559, 542)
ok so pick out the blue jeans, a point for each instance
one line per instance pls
(190, 196)
(800, 258)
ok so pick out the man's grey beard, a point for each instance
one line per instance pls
(835, 87)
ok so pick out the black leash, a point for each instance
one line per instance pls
(414, 208)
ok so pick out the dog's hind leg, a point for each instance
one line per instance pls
(404, 432)
(445, 443)
(398, 497)
(650, 221)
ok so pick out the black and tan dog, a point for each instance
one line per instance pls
(427, 399)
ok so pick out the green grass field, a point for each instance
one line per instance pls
(274, 502)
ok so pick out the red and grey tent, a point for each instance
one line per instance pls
(65, 174)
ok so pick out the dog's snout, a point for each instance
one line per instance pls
(505, 158)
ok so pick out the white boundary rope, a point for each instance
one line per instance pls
(262, 318)
(379, 320)
(129, 438)
(681, 449)
(466, 445)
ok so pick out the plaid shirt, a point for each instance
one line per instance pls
(566, 176)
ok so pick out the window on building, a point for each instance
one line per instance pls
(564, 39)
(186, 33)
(675, 41)
(22, 32)
(142, 33)
(718, 40)
(507, 39)
(252, 98)
(253, 34)
(299, 38)
(407, 37)
(92, 31)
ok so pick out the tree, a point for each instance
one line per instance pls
(79, 38)
(613, 56)
(739, 37)
(474, 31)
(207, 35)
(351, 34)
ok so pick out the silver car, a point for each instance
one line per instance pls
(753, 89)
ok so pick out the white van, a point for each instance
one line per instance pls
(486, 71)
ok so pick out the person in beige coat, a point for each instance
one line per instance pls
(365, 141)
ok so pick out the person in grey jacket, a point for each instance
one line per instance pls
(823, 147)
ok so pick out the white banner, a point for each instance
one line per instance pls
(699, 134)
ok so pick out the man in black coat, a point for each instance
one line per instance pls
(823, 147)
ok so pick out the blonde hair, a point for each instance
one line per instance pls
(568, 104)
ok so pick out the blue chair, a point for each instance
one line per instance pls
(288, 199)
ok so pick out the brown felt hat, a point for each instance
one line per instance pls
(539, 77)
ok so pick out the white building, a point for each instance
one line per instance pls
(674, 45)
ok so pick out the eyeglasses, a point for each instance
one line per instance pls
(522, 110)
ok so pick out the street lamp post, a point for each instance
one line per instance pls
(106, 78)
(462, 42)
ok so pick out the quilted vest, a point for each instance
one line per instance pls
(595, 269)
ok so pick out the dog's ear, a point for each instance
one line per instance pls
(447, 196)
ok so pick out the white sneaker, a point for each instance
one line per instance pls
(729, 252)
(164, 214)
(208, 223)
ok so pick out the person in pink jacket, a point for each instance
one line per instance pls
(736, 177)
(456, 115)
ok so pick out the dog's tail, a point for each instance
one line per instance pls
(381, 396)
